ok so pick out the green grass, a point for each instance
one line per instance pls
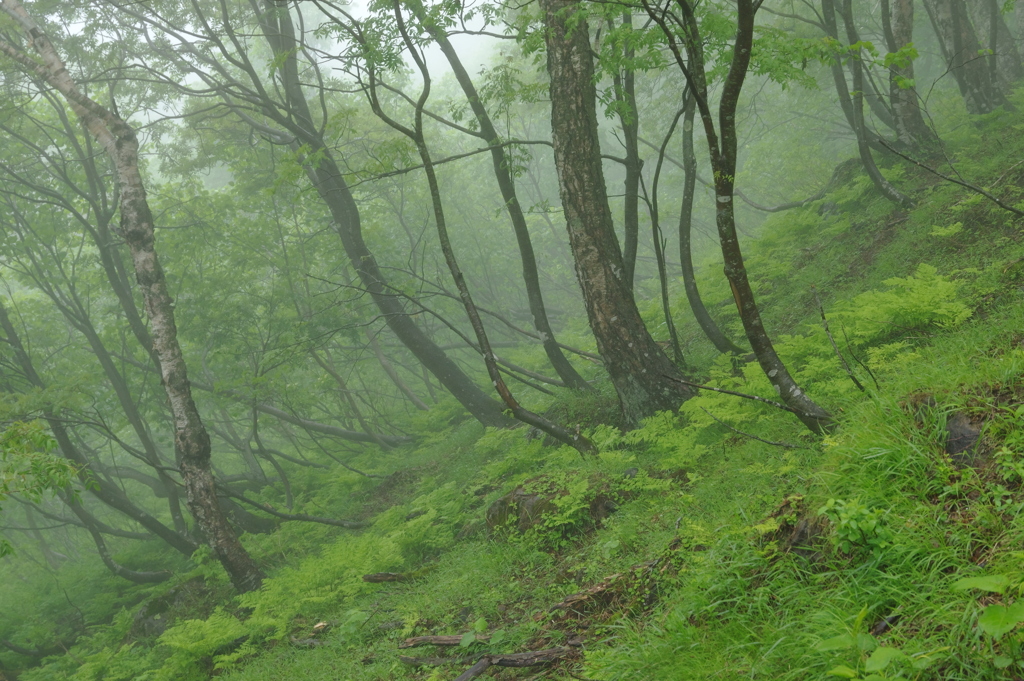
(708, 585)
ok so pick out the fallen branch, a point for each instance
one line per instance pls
(532, 658)
(417, 641)
(379, 577)
(432, 661)
(476, 670)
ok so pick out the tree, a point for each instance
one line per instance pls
(898, 27)
(962, 51)
(683, 33)
(1004, 60)
(644, 378)
(700, 313)
(192, 442)
(501, 162)
(854, 100)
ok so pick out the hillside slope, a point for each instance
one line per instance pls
(721, 542)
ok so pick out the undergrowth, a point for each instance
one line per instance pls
(717, 542)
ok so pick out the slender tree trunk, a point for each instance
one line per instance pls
(642, 374)
(723, 164)
(330, 184)
(1005, 65)
(856, 99)
(704, 320)
(575, 440)
(625, 92)
(659, 245)
(960, 48)
(503, 175)
(898, 26)
(191, 441)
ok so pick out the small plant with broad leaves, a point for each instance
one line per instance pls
(873, 662)
(998, 622)
(858, 529)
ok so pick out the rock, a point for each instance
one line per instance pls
(962, 436)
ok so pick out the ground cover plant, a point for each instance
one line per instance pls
(811, 467)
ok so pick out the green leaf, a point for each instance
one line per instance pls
(1002, 661)
(866, 642)
(882, 658)
(997, 620)
(996, 583)
(841, 642)
(468, 639)
(480, 626)
(842, 671)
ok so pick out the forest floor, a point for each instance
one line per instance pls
(723, 542)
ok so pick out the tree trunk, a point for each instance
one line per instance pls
(724, 166)
(960, 48)
(723, 163)
(625, 93)
(640, 371)
(898, 26)
(191, 441)
(501, 164)
(704, 320)
(580, 443)
(660, 242)
(1005, 65)
(856, 99)
(330, 184)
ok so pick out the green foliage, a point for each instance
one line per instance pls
(857, 528)
(198, 647)
(27, 466)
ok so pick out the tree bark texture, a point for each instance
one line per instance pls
(330, 184)
(506, 185)
(191, 441)
(960, 48)
(898, 26)
(625, 92)
(640, 371)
